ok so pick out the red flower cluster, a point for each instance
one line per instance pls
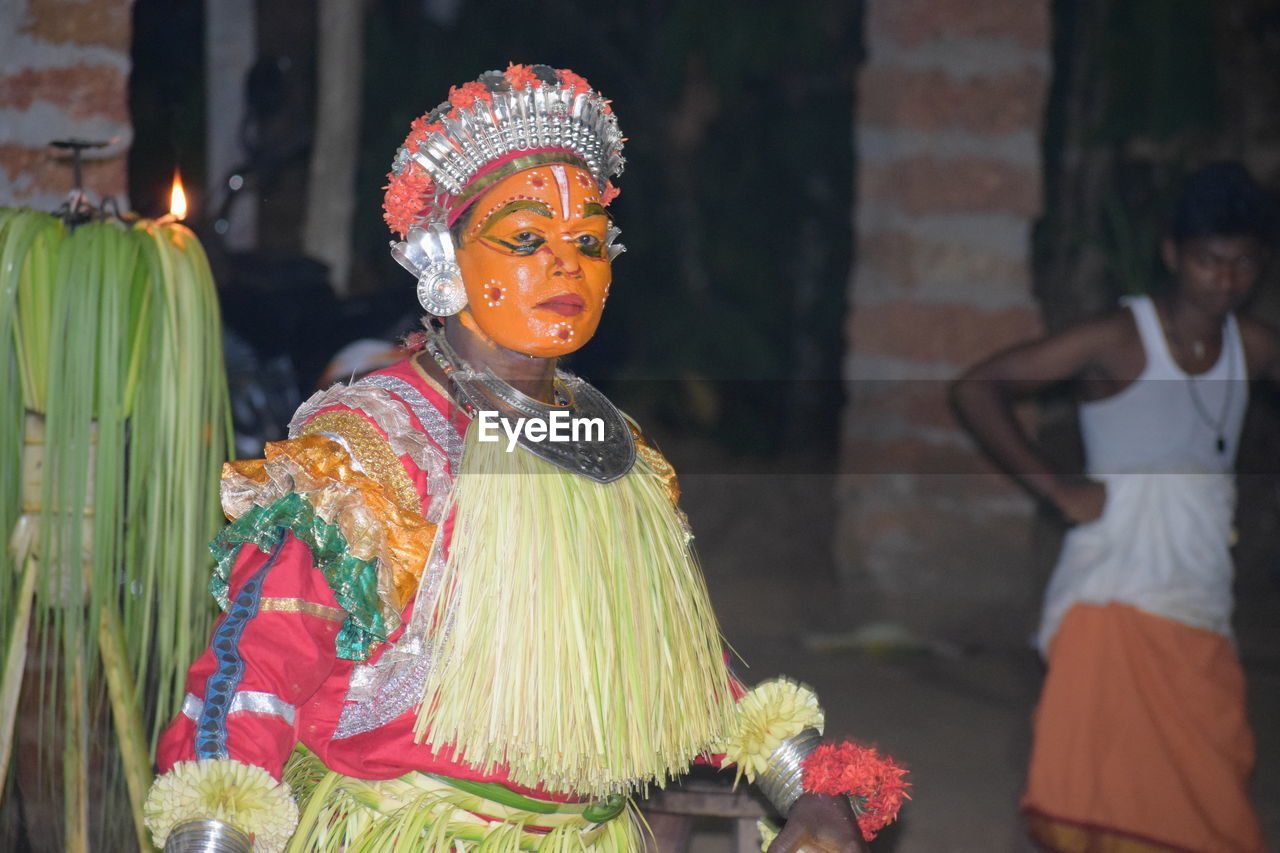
(407, 193)
(521, 77)
(465, 96)
(406, 198)
(419, 130)
(575, 83)
(858, 771)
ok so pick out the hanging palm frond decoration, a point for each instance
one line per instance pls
(114, 423)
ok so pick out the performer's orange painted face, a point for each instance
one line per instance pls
(534, 261)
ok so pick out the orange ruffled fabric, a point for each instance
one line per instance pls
(368, 513)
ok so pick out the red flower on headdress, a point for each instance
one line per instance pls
(419, 130)
(610, 193)
(467, 94)
(521, 77)
(846, 768)
(406, 199)
(575, 83)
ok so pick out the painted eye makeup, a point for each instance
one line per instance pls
(520, 243)
(524, 241)
(590, 245)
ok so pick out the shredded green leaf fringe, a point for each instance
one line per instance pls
(576, 644)
(340, 813)
(354, 582)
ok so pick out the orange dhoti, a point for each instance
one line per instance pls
(1140, 740)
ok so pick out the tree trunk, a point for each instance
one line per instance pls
(231, 43)
(331, 187)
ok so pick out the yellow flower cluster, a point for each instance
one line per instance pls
(221, 789)
(770, 713)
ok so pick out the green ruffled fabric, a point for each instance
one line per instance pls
(354, 582)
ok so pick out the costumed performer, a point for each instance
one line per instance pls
(448, 625)
(1140, 739)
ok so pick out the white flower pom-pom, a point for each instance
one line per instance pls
(768, 714)
(238, 794)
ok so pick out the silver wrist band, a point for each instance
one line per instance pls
(207, 836)
(783, 782)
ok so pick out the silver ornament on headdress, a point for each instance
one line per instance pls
(546, 118)
(428, 254)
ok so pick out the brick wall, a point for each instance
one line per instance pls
(949, 113)
(64, 72)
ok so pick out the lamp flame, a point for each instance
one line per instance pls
(177, 198)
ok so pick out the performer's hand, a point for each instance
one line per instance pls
(1081, 501)
(819, 823)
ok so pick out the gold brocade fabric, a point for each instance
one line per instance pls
(657, 463)
(373, 522)
(301, 605)
(372, 452)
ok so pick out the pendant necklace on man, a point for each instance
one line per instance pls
(1216, 424)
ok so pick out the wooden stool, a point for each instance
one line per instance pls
(671, 812)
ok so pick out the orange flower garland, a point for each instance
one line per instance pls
(874, 782)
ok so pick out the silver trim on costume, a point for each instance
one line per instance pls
(251, 701)
(379, 692)
(437, 425)
(439, 429)
(388, 688)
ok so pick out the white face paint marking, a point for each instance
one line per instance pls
(562, 181)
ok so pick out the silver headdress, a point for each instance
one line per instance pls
(504, 122)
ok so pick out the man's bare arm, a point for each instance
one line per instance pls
(984, 398)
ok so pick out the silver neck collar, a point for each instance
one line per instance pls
(603, 460)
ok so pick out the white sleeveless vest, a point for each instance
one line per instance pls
(1162, 543)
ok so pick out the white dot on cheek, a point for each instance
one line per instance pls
(562, 333)
(494, 293)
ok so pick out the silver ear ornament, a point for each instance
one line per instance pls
(428, 254)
